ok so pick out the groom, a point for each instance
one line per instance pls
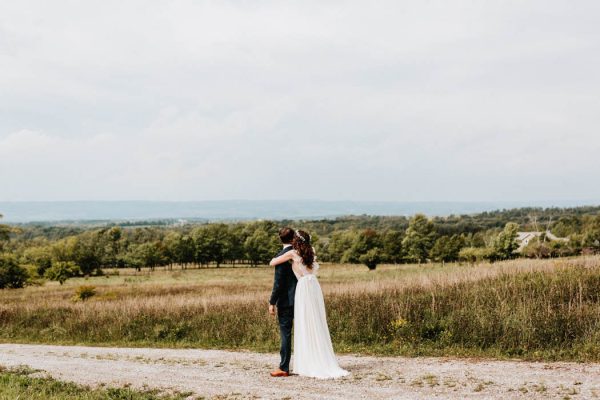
(282, 296)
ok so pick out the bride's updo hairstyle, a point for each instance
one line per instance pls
(304, 248)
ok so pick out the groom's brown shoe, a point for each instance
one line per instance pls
(279, 373)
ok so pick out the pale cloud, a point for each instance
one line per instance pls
(356, 100)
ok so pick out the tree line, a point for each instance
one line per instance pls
(39, 251)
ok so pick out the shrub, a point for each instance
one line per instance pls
(505, 244)
(84, 292)
(12, 275)
(371, 258)
(33, 278)
(475, 254)
(62, 270)
(537, 249)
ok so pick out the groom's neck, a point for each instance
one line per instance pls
(286, 245)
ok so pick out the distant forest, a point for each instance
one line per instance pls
(52, 251)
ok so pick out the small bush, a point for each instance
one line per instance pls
(476, 254)
(33, 278)
(12, 275)
(371, 259)
(84, 292)
(62, 270)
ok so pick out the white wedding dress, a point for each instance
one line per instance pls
(313, 351)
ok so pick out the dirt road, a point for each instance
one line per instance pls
(241, 375)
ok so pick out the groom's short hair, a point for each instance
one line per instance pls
(286, 235)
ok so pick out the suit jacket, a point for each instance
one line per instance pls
(284, 284)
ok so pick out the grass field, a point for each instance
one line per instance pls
(534, 309)
(24, 384)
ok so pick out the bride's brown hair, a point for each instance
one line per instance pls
(304, 248)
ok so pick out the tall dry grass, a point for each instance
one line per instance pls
(527, 308)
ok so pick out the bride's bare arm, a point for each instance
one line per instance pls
(281, 259)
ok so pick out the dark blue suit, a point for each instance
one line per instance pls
(284, 291)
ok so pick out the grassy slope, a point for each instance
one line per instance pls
(522, 308)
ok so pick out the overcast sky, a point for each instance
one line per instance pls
(349, 100)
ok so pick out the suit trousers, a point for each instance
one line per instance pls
(285, 316)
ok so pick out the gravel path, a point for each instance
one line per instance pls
(244, 375)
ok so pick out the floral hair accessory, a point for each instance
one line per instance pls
(299, 236)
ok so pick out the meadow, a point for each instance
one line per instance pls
(530, 309)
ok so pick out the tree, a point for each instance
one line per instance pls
(64, 249)
(260, 247)
(505, 244)
(179, 248)
(12, 275)
(447, 248)
(391, 241)
(4, 234)
(131, 258)
(340, 245)
(475, 254)
(40, 257)
(149, 255)
(537, 248)
(364, 242)
(591, 235)
(371, 258)
(202, 251)
(83, 250)
(235, 249)
(217, 242)
(62, 270)
(566, 226)
(419, 238)
(109, 243)
(563, 249)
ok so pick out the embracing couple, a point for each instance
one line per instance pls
(297, 295)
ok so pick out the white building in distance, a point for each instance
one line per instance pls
(525, 237)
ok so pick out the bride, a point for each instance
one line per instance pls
(313, 351)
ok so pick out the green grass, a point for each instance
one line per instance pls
(19, 384)
(540, 310)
